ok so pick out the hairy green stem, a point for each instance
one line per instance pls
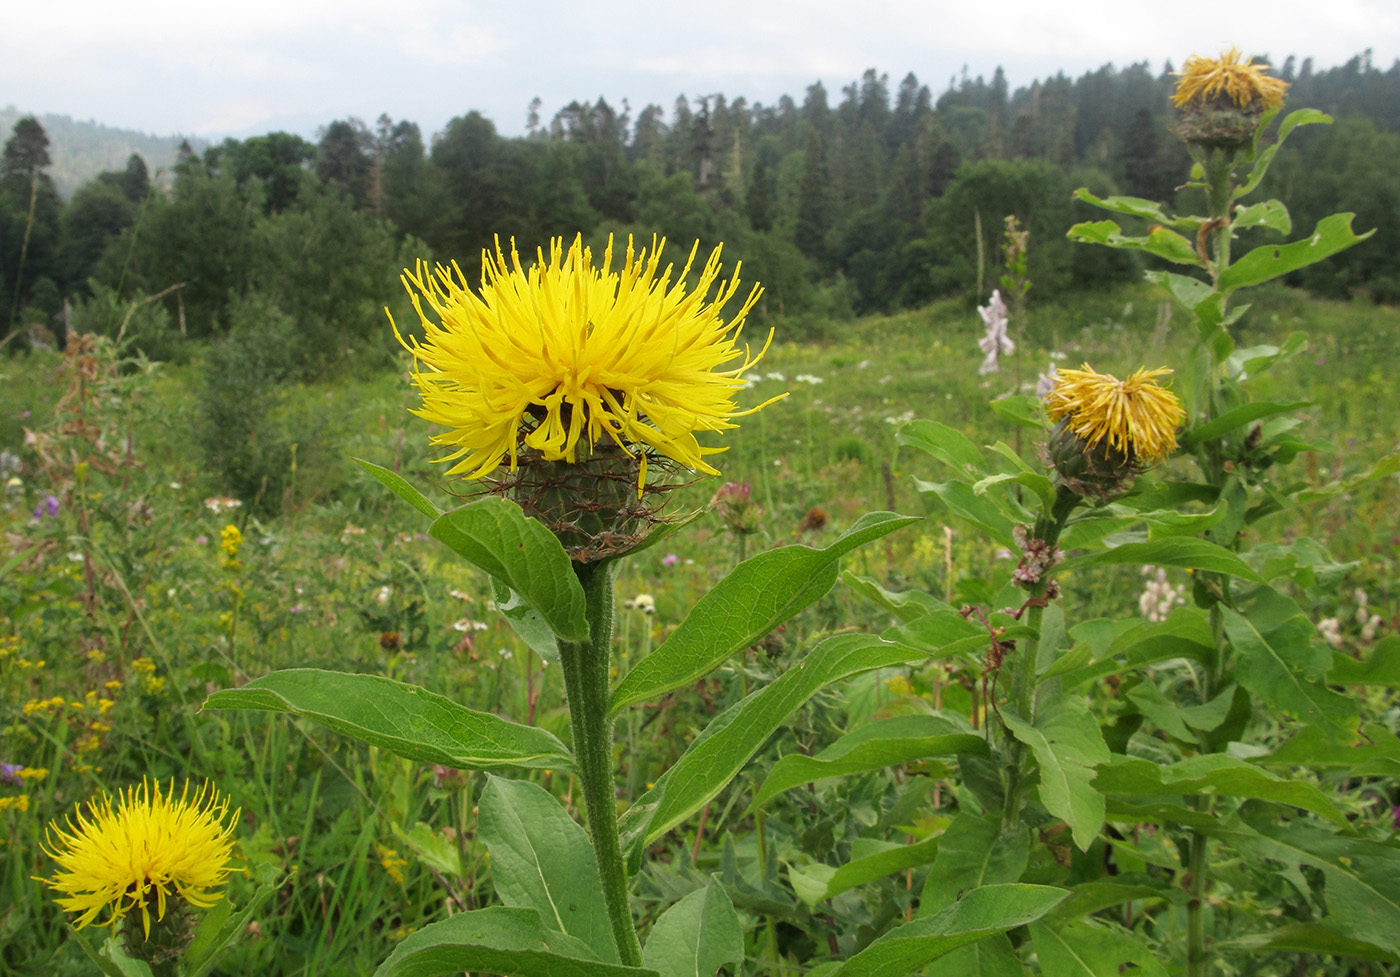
(585, 666)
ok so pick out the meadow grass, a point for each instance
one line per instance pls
(122, 611)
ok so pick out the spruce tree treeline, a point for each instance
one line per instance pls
(866, 201)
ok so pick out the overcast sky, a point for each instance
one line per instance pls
(210, 69)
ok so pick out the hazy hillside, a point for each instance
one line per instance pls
(81, 150)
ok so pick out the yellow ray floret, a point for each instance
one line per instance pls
(1242, 81)
(566, 352)
(150, 847)
(1138, 416)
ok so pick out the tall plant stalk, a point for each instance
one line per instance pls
(585, 666)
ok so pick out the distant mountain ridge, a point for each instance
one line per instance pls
(81, 150)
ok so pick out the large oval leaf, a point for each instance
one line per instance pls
(883, 743)
(978, 915)
(756, 596)
(404, 719)
(541, 859)
(498, 940)
(1172, 551)
(735, 735)
(495, 535)
(696, 936)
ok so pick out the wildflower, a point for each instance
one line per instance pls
(645, 603)
(1222, 99)
(231, 541)
(219, 504)
(1037, 559)
(9, 773)
(1226, 77)
(1159, 597)
(1046, 382)
(20, 803)
(152, 852)
(47, 507)
(1109, 429)
(541, 359)
(1330, 630)
(670, 560)
(393, 862)
(996, 342)
(735, 505)
(467, 624)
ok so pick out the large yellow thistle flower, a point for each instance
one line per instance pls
(151, 848)
(1137, 416)
(1244, 82)
(563, 352)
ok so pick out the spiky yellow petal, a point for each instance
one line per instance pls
(150, 847)
(1138, 416)
(566, 352)
(1244, 82)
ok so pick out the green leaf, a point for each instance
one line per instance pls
(400, 487)
(1375, 754)
(1381, 666)
(1089, 948)
(111, 960)
(1025, 410)
(880, 744)
(432, 849)
(1067, 744)
(404, 719)
(527, 623)
(1138, 207)
(878, 864)
(1278, 659)
(498, 940)
(947, 445)
(1129, 644)
(1212, 773)
(1160, 241)
(906, 605)
(733, 737)
(1385, 467)
(495, 536)
(1303, 938)
(220, 928)
(981, 511)
(1173, 551)
(541, 859)
(979, 914)
(696, 936)
(1332, 234)
(755, 597)
(1237, 418)
(1258, 359)
(1299, 117)
(1267, 213)
(992, 957)
(1164, 713)
(1088, 898)
(1036, 482)
(1190, 293)
(1363, 878)
(973, 852)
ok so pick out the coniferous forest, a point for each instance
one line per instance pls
(877, 198)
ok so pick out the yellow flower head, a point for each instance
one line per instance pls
(1244, 82)
(1137, 416)
(564, 352)
(151, 848)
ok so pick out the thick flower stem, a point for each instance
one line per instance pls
(585, 665)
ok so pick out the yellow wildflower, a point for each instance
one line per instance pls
(541, 359)
(152, 849)
(18, 803)
(393, 863)
(1137, 416)
(1205, 80)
